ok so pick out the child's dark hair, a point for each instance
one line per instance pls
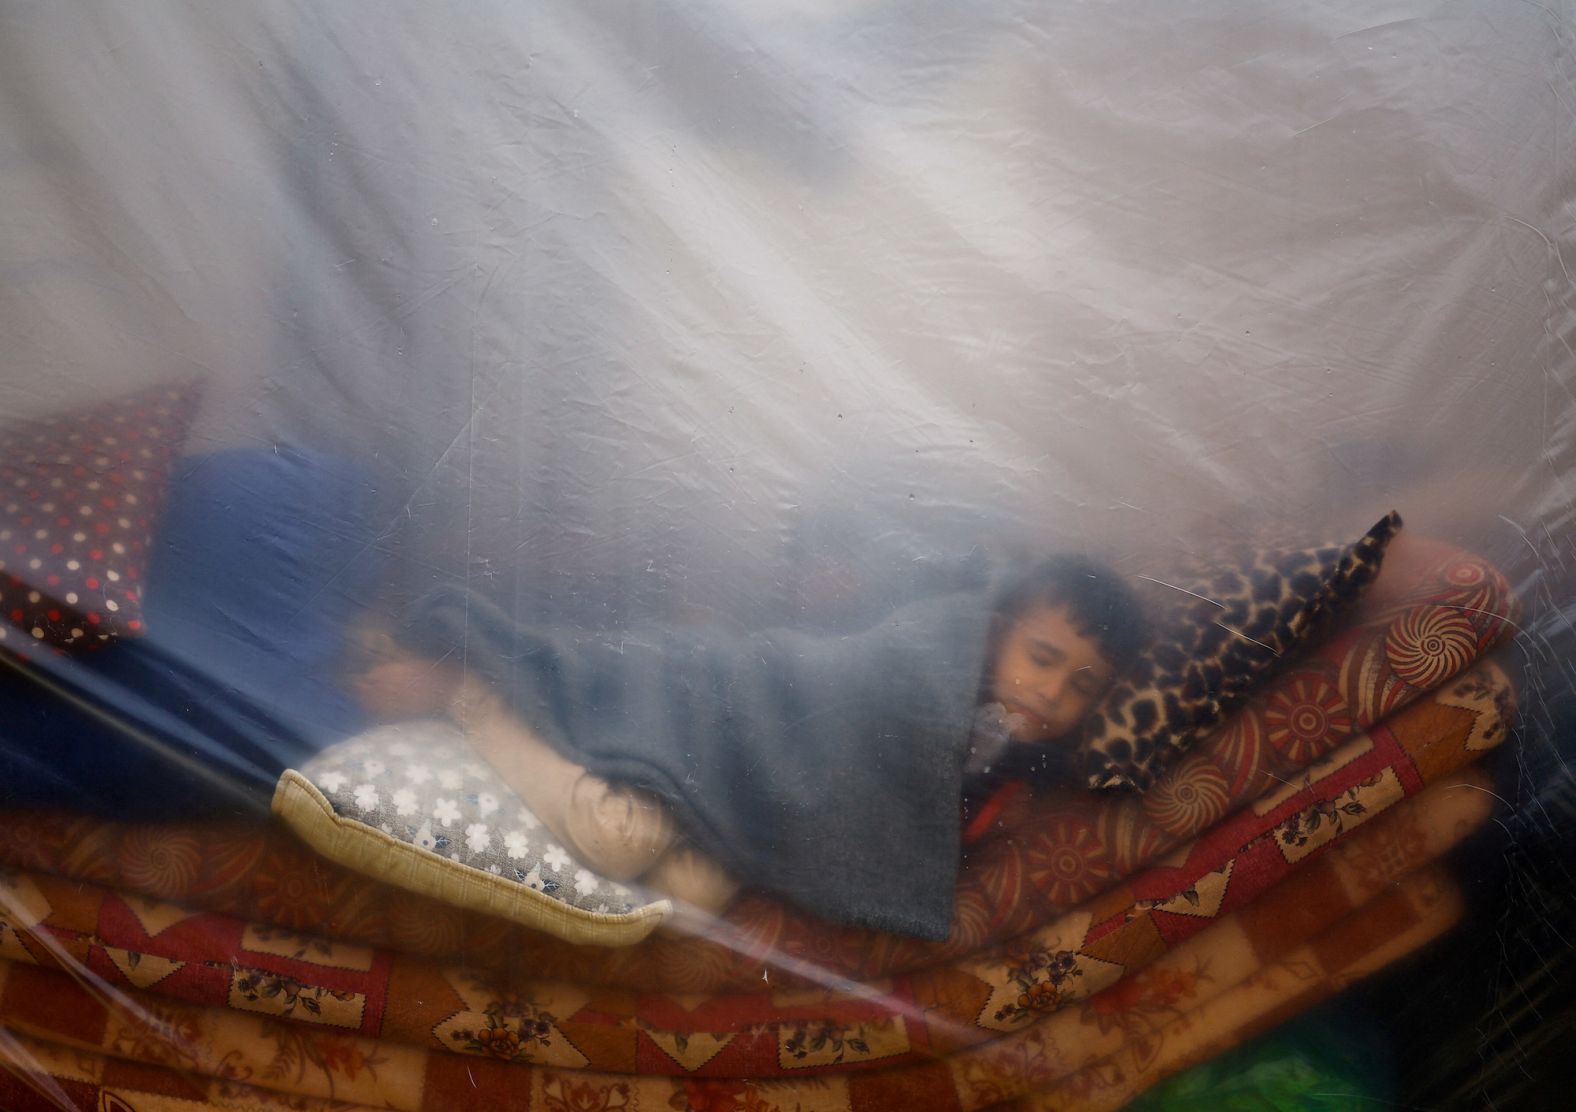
(1100, 606)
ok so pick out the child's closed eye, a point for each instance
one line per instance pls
(1046, 656)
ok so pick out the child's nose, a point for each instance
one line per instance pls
(1053, 689)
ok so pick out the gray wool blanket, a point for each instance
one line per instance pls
(825, 769)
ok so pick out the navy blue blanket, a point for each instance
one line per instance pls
(261, 559)
(825, 769)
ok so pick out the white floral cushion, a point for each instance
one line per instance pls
(411, 804)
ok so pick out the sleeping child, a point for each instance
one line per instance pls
(826, 769)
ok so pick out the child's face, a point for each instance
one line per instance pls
(1047, 675)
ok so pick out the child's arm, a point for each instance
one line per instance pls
(393, 684)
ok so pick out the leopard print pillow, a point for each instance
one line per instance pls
(1232, 628)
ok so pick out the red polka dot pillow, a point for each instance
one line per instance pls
(80, 494)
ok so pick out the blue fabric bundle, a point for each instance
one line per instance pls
(263, 557)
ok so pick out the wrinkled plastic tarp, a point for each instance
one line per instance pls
(710, 312)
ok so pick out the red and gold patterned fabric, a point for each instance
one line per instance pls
(165, 950)
(93, 1042)
(1398, 923)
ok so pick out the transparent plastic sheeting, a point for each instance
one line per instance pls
(728, 317)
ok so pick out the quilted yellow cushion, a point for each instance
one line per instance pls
(413, 806)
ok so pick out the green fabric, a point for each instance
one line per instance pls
(1328, 1061)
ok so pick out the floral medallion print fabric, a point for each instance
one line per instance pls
(419, 782)
(80, 494)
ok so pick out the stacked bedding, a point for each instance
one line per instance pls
(1099, 943)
